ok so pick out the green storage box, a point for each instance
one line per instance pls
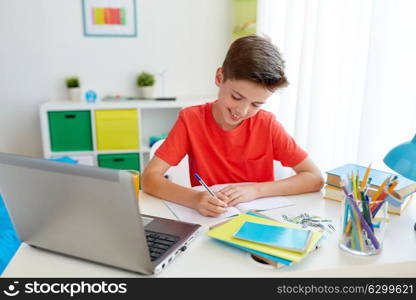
(122, 161)
(70, 130)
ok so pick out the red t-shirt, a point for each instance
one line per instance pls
(243, 154)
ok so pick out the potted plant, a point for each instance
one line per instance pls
(145, 82)
(74, 90)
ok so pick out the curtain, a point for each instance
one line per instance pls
(350, 64)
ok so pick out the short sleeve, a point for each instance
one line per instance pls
(285, 148)
(176, 145)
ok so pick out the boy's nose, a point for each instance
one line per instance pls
(242, 110)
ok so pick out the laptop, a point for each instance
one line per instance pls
(88, 212)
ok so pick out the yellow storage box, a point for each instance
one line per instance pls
(117, 129)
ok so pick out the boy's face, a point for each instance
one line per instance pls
(238, 100)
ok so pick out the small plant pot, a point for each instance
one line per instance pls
(146, 92)
(74, 94)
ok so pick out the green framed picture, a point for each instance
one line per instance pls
(109, 18)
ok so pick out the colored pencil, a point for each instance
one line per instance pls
(366, 227)
(367, 173)
(380, 189)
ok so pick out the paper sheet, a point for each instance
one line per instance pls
(187, 214)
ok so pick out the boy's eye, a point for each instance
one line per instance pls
(257, 105)
(235, 97)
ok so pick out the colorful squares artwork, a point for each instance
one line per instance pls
(109, 16)
(122, 16)
(98, 15)
(244, 17)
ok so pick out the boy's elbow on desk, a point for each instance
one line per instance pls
(153, 175)
(145, 182)
(318, 182)
(148, 182)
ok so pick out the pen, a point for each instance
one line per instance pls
(366, 210)
(205, 186)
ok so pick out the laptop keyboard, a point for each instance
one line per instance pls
(159, 243)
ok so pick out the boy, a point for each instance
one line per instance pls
(232, 140)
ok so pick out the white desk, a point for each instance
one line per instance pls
(206, 257)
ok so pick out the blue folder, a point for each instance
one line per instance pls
(292, 239)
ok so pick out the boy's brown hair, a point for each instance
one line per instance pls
(256, 59)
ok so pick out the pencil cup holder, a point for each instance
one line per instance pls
(363, 225)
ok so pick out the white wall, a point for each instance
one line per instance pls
(42, 42)
(390, 98)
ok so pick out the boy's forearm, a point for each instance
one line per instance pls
(303, 182)
(162, 188)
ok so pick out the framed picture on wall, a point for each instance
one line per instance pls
(109, 18)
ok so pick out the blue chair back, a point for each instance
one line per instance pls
(9, 242)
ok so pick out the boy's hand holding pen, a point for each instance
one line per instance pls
(210, 204)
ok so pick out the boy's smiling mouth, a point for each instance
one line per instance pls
(234, 117)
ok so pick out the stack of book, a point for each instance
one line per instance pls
(276, 243)
(332, 189)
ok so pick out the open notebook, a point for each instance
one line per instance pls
(187, 214)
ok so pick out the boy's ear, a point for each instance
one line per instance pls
(218, 77)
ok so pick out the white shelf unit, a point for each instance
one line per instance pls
(154, 119)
